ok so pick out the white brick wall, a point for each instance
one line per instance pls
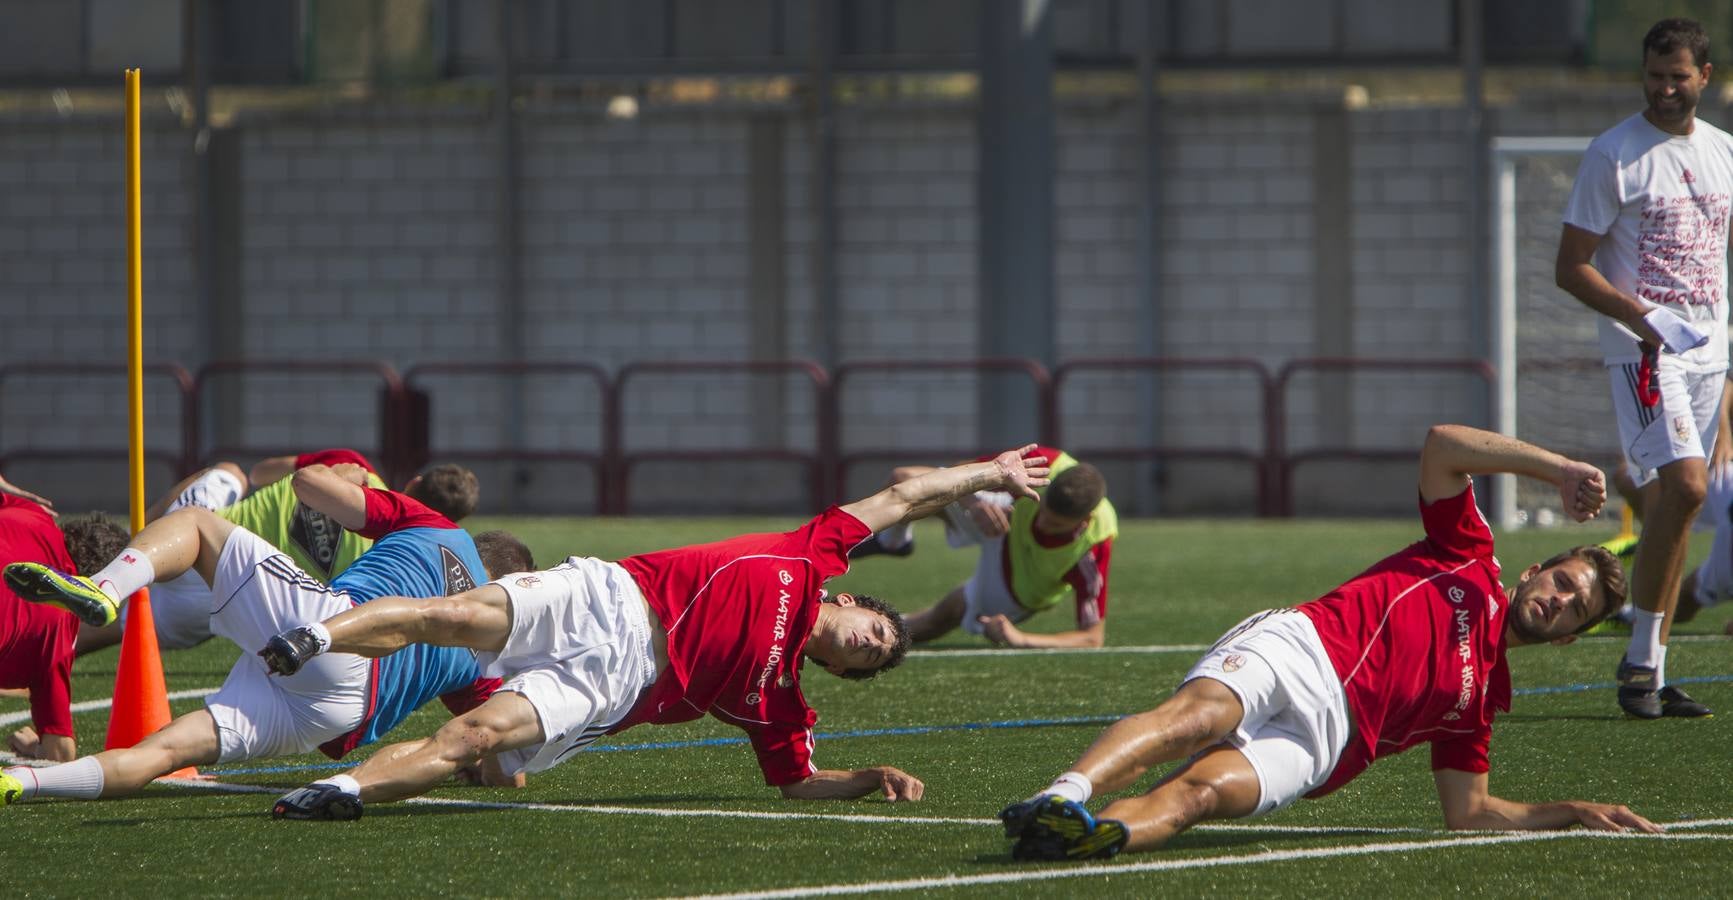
(374, 237)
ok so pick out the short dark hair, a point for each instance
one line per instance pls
(1670, 35)
(899, 644)
(93, 540)
(448, 489)
(1076, 491)
(503, 553)
(1608, 573)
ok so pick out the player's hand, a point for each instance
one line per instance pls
(991, 519)
(1021, 472)
(24, 742)
(1607, 817)
(896, 784)
(7, 487)
(1000, 630)
(1582, 490)
(353, 473)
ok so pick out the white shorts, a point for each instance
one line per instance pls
(181, 606)
(986, 593)
(261, 593)
(1681, 426)
(1296, 715)
(1715, 574)
(579, 651)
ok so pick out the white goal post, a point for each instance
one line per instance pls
(1509, 210)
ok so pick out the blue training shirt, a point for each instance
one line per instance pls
(417, 553)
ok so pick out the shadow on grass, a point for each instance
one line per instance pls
(1217, 840)
(1534, 718)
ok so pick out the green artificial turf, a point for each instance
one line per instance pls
(1173, 583)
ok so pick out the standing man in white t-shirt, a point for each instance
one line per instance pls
(1645, 245)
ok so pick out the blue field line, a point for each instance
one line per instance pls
(927, 729)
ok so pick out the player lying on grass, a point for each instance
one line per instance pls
(1035, 554)
(36, 642)
(591, 648)
(313, 541)
(1297, 702)
(339, 702)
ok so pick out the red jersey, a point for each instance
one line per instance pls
(738, 614)
(36, 639)
(1418, 641)
(334, 457)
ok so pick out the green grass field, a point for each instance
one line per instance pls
(681, 811)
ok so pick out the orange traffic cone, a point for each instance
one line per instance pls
(140, 694)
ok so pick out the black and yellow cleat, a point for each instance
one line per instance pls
(74, 593)
(1060, 829)
(1676, 704)
(11, 790)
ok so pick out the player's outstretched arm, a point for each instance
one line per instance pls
(335, 491)
(7, 487)
(1468, 806)
(832, 784)
(1016, 471)
(1454, 453)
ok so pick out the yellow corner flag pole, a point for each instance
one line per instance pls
(140, 704)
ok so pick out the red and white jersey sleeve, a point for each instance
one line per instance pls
(389, 511)
(738, 614)
(1418, 641)
(1088, 580)
(332, 457)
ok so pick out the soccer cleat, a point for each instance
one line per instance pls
(1638, 691)
(286, 653)
(74, 593)
(1060, 829)
(317, 802)
(1677, 704)
(11, 790)
(874, 547)
(1018, 815)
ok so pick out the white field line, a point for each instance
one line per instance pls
(1168, 865)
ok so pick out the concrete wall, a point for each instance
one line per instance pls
(373, 235)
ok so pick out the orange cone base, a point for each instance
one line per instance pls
(140, 704)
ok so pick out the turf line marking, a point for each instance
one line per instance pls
(1169, 865)
(665, 812)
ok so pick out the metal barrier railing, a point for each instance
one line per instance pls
(179, 459)
(391, 404)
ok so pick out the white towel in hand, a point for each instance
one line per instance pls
(1677, 335)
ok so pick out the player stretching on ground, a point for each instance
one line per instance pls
(1296, 702)
(35, 641)
(1645, 245)
(336, 704)
(591, 648)
(1034, 555)
(181, 607)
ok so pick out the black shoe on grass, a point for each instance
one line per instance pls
(1638, 691)
(317, 802)
(1677, 704)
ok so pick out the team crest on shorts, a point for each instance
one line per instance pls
(529, 581)
(1233, 662)
(1682, 428)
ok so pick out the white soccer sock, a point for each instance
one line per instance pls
(80, 779)
(128, 572)
(1661, 668)
(1072, 786)
(897, 537)
(344, 783)
(1645, 647)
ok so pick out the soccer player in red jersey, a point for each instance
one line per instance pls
(36, 642)
(591, 648)
(1296, 702)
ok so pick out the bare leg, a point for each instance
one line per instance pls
(937, 620)
(1661, 550)
(190, 538)
(479, 619)
(1199, 714)
(92, 638)
(190, 740)
(1220, 784)
(506, 721)
(1637, 498)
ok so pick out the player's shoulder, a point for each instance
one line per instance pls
(1714, 133)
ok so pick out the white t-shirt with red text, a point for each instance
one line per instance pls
(1418, 641)
(738, 614)
(1661, 203)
